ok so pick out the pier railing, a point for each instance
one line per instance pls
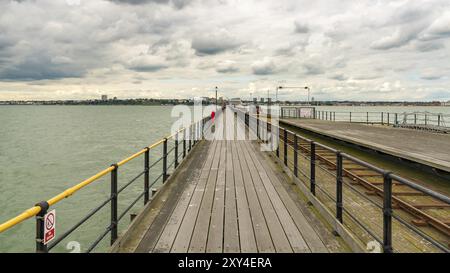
(174, 149)
(416, 120)
(304, 149)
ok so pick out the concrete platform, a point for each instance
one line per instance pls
(426, 148)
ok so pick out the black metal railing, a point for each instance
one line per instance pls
(292, 141)
(181, 143)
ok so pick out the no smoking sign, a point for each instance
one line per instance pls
(49, 226)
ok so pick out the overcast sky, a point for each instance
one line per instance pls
(362, 50)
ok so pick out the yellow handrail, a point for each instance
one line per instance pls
(67, 193)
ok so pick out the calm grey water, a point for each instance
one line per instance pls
(47, 149)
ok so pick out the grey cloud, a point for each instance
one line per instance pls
(264, 67)
(147, 63)
(179, 4)
(431, 77)
(429, 46)
(148, 67)
(313, 69)
(397, 39)
(338, 77)
(40, 67)
(300, 27)
(227, 67)
(215, 43)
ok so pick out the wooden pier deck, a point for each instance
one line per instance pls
(429, 149)
(229, 197)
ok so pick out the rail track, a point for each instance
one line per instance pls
(424, 209)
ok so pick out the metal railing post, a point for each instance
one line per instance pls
(165, 160)
(388, 119)
(339, 204)
(382, 118)
(147, 176)
(184, 143)
(367, 122)
(176, 150)
(278, 146)
(257, 126)
(285, 146)
(40, 229)
(387, 213)
(350, 117)
(396, 118)
(295, 155)
(313, 168)
(114, 204)
(415, 119)
(194, 134)
(439, 120)
(190, 138)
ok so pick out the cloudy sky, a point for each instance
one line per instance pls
(363, 50)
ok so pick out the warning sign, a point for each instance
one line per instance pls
(49, 226)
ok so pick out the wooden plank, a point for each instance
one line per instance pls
(246, 230)
(171, 228)
(166, 201)
(200, 234)
(277, 233)
(308, 233)
(182, 240)
(293, 234)
(215, 234)
(231, 231)
(262, 235)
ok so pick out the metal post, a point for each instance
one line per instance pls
(350, 116)
(382, 118)
(40, 229)
(387, 213)
(165, 160)
(146, 176)
(313, 168)
(257, 126)
(339, 206)
(439, 120)
(296, 155)
(285, 147)
(184, 143)
(396, 118)
(388, 119)
(114, 204)
(415, 119)
(367, 118)
(176, 150)
(190, 138)
(278, 146)
(193, 134)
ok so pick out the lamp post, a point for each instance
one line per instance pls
(297, 87)
(276, 96)
(216, 99)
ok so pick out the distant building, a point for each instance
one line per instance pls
(235, 101)
(104, 97)
(446, 103)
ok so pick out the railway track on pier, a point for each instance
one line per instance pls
(424, 210)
